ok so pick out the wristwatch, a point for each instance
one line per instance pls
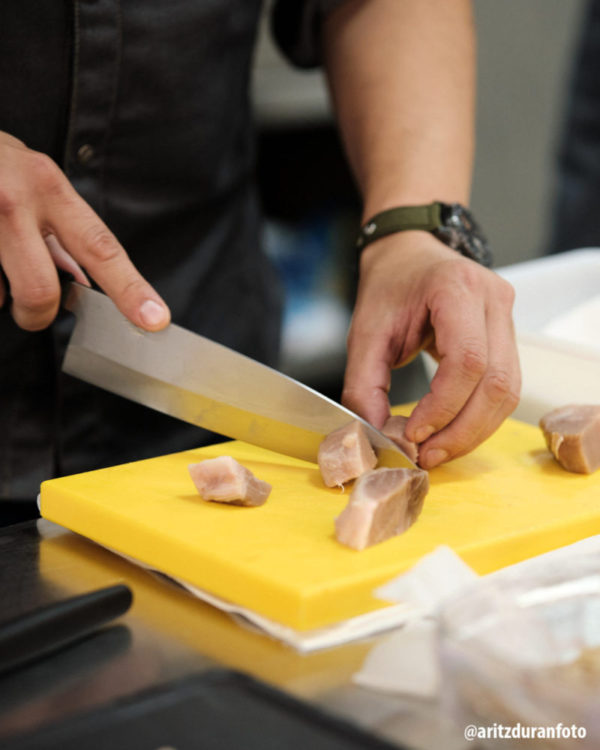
(451, 223)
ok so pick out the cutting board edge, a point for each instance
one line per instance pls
(479, 556)
(151, 549)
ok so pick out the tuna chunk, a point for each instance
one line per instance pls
(224, 480)
(394, 430)
(345, 454)
(383, 503)
(573, 436)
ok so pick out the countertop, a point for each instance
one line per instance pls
(168, 634)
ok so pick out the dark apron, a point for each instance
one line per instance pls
(145, 106)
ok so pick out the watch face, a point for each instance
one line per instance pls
(461, 232)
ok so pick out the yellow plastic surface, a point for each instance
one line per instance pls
(505, 502)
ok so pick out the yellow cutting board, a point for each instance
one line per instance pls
(504, 502)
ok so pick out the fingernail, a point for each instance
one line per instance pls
(434, 457)
(423, 433)
(153, 314)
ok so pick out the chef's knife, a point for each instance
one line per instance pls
(200, 381)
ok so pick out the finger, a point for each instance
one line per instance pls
(461, 338)
(31, 274)
(64, 261)
(10, 140)
(89, 241)
(494, 399)
(367, 378)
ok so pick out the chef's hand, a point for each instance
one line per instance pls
(415, 293)
(44, 224)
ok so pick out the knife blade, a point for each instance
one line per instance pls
(197, 380)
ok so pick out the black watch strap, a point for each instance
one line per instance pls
(427, 218)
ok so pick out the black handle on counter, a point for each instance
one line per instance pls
(38, 633)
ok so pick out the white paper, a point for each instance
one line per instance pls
(405, 661)
(352, 629)
(436, 576)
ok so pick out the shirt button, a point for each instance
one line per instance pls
(85, 153)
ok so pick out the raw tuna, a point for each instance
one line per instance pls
(573, 436)
(383, 503)
(345, 454)
(394, 429)
(225, 480)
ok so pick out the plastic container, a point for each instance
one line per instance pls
(557, 319)
(524, 652)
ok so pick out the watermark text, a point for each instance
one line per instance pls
(524, 732)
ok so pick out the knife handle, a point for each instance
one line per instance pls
(38, 633)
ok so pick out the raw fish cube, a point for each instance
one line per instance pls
(345, 454)
(384, 502)
(225, 480)
(572, 435)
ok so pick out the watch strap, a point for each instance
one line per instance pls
(427, 218)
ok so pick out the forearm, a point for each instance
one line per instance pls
(402, 79)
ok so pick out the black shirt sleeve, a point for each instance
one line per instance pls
(296, 27)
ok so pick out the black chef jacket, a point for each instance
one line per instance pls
(145, 106)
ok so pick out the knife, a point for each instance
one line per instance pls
(45, 630)
(190, 377)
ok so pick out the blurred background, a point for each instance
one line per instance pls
(525, 52)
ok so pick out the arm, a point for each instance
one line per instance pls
(401, 74)
(44, 224)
